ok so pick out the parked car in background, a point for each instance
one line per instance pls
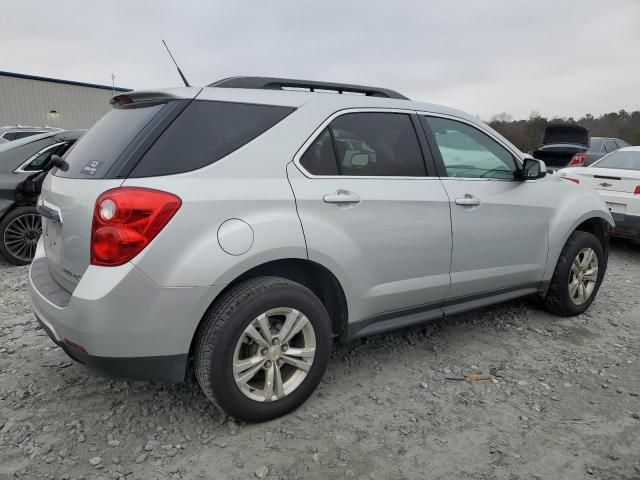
(240, 227)
(600, 146)
(16, 132)
(23, 166)
(616, 177)
(568, 145)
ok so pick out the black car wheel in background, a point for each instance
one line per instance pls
(20, 230)
(24, 164)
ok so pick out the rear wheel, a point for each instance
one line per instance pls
(577, 276)
(20, 230)
(262, 348)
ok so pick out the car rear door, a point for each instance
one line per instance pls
(371, 213)
(499, 224)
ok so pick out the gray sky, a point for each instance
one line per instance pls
(558, 57)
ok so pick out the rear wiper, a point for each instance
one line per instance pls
(57, 161)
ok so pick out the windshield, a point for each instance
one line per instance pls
(621, 159)
(24, 141)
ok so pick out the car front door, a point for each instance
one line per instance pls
(373, 215)
(499, 223)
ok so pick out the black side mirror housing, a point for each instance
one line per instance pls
(532, 169)
(58, 162)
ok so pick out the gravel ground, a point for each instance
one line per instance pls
(563, 403)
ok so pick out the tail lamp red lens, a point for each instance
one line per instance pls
(578, 159)
(637, 190)
(125, 220)
(574, 180)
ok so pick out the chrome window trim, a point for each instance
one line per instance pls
(21, 168)
(408, 111)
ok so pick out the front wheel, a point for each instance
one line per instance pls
(262, 348)
(578, 275)
(20, 230)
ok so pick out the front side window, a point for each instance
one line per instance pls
(367, 144)
(41, 159)
(469, 153)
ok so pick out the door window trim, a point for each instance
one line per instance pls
(21, 168)
(437, 157)
(427, 157)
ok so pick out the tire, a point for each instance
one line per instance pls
(559, 296)
(20, 218)
(222, 335)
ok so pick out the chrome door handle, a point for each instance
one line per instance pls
(468, 201)
(341, 197)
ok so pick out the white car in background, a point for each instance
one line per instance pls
(617, 178)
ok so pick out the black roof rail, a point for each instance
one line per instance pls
(266, 83)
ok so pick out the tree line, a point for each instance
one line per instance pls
(526, 134)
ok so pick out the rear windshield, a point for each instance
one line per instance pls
(625, 160)
(205, 132)
(100, 147)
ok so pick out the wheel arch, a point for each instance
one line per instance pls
(596, 222)
(314, 276)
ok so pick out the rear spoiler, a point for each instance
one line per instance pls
(149, 97)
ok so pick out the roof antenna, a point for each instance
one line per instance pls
(186, 84)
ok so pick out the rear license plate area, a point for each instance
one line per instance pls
(52, 239)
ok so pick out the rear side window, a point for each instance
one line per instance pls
(206, 132)
(320, 157)
(367, 144)
(9, 136)
(101, 146)
(610, 146)
(19, 135)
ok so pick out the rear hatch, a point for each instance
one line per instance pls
(560, 142)
(99, 161)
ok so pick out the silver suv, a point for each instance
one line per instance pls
(238, 228)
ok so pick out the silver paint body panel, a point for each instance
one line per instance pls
(406, 252)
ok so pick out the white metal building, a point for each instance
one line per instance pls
(38, 101)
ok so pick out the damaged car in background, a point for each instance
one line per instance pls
(23, 165)
(570, 145)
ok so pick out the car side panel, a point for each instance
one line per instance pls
(575, 204)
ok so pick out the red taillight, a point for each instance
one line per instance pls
(637, 190)
(125, 220)
(574, 180)
(578, 159)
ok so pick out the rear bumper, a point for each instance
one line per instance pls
(625, 210)
(128, 326)
(164, 368)
(626, 221)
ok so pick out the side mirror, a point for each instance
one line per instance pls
(533, 169)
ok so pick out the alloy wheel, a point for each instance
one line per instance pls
(21, 236)
(583, 276)
(274, 354)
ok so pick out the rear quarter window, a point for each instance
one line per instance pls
(205, 132)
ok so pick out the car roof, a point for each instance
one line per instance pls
(292, 98)
(323, 103)
(629, 149)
